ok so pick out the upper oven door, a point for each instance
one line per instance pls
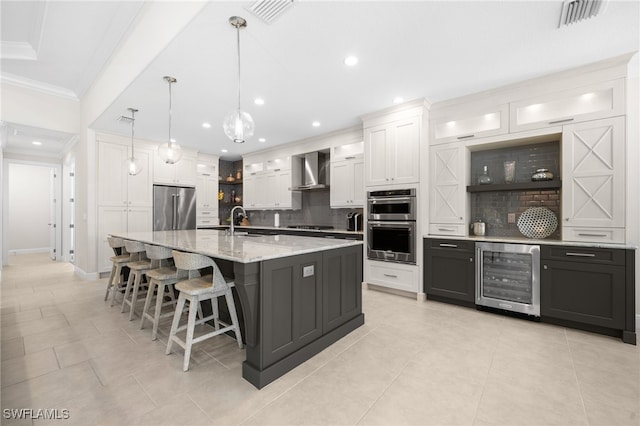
(392, 208)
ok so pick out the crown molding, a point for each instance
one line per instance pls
(38, 86)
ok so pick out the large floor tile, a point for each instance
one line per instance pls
(16, 370)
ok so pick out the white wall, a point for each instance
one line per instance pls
(29, 196)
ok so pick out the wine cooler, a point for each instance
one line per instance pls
(508, 277)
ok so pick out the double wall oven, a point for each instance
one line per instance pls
(391, 225)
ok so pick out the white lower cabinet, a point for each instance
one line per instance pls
(119, 219)
(397, 276)
(593, 189)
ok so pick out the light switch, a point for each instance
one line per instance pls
(511, 218)
(307, 271)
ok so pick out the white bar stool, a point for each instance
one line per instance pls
(195, 290)
(164, 279)
(116, 282)
(138, 266)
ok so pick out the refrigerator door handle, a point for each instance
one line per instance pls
(174, 219)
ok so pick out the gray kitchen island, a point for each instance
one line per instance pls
(298, 295)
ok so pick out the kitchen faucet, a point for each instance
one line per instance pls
(233, 211)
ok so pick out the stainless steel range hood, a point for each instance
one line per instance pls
(315, 173)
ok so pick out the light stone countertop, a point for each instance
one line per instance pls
(285, 228)
(514, 240)
(239, 248)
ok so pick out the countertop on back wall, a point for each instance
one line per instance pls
(523, 240)
(284, 228)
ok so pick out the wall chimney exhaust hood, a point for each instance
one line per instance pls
(315, 173)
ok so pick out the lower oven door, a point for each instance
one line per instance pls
(508, 277)
(392, 241)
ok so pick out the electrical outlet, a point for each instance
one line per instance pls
(307, 271)
(511, 218)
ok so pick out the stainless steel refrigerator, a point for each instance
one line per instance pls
(174, 208)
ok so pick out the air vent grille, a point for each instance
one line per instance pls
(576, 10)
(269, 10)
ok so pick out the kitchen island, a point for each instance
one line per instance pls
(298, 295)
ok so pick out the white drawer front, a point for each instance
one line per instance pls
(593, 235)
(393, 277)
(207, 221)
(447, 229)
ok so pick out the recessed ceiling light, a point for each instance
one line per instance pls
(258, 101)
(316, 124)
(206, 125)
(224, 150)
(350, 61)
(398, 100)
(262, 140)
(37, 143)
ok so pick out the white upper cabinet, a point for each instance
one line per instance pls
(183, 173)
(392, 152)
(464, 123)
(347, 176)
(448, 196)
(590, 102)
(116, 186)
(593, 190)
(266, 184)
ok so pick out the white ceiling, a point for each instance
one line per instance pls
(415, 49)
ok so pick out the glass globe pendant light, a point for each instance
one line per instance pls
(134, 165)
(170, 152)
(238, 125)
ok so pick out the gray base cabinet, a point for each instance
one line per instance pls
(589, 286)
(449, 270)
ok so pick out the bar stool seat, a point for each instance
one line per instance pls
(116, 283)
(195, 290)
(138, 266)
(161, 282)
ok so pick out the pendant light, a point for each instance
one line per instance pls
(170, 152)
(238, 125)
(134, 166)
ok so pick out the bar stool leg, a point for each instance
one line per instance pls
(132, 275)
(176, 321)
(110, 281)
(147, 302)
(116, 286)
(134, 297)
(191, 326)
(156, 314)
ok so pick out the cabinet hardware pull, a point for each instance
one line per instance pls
(349, 158)
(471, 259)
(545, 267)
(446, 229)
(592, 235)
(448, 245)
(580, 254)
(566, 120)
(206, 174)
(276, 170)
(390, 275)
(465, 136)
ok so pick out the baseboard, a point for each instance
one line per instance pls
(29, 251)
(85, 276)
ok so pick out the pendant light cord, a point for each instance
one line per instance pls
(238, 42)
(169, 112)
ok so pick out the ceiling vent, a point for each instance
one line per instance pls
(576, 10)
(269, 10)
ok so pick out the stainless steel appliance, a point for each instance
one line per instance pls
(174, 208)
(397, 204)
(354, 221)
(508, 277)
(391, 225)
(314, 171)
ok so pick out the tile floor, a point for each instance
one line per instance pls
(411, 363)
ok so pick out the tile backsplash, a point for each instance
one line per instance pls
(494, 207)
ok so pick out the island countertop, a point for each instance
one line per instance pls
(239, 248)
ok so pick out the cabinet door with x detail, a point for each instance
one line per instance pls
(448, 170)
(593, 164)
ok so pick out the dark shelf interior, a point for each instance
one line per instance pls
(517, 186)
(235, 182)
